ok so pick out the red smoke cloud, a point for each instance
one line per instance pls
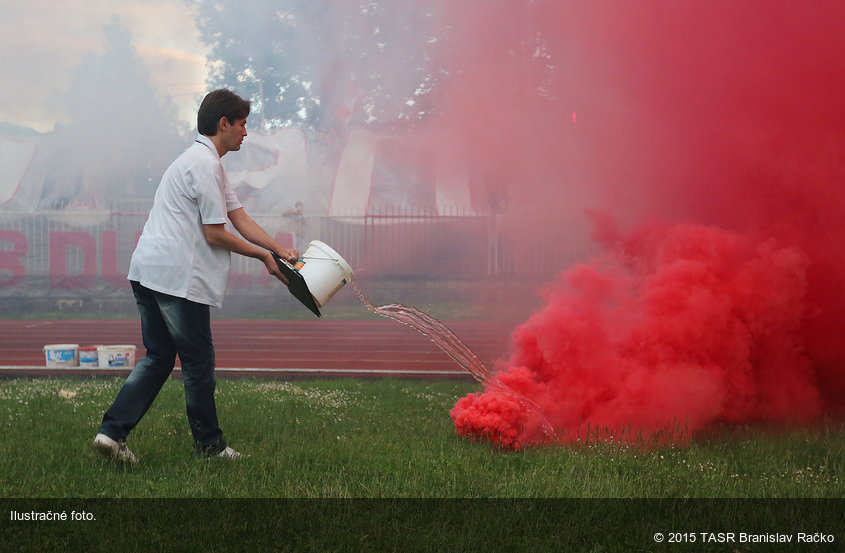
(725, 122)
(688, 325)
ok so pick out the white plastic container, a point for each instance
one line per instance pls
(88, 356)
(116, 356)
(324, 270)
(61, 355)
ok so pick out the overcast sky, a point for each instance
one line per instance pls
(44, 41)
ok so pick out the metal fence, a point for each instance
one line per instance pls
(416, 243)
(45, 252)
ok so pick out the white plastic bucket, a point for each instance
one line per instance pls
(324, 270)
(116, 356)
(61, 355)
(88, 356)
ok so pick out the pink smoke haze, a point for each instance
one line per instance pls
(709, 145)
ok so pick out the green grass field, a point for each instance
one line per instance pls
(375, 439)
(386, 442)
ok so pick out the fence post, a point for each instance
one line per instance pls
(492, 245)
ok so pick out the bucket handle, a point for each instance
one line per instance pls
(320, 258)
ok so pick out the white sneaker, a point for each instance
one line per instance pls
(229, 454)
(116, 451)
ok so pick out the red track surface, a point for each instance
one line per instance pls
(313, 348)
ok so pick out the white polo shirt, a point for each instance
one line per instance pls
(173, 255)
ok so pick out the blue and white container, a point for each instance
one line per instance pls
(88, 356)
(110, 357)
(62, 355)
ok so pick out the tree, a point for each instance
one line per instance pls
(120, 137)
(482, 82)
(319, 63)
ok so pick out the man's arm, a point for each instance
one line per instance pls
(253, 232)
(217, 235)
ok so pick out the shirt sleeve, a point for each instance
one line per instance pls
(208, 187)
(232, 202)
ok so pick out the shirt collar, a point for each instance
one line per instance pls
(205, 141)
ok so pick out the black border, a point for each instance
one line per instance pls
(441, 525)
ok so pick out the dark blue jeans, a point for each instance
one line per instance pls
(170, 326)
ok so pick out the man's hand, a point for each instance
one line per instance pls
(273, 268)
(290, 255)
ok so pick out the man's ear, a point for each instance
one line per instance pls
(223, 124)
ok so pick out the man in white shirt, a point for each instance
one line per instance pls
(178, 270)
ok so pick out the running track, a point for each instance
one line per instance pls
(279, 349)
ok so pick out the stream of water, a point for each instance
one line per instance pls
(446, 340)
